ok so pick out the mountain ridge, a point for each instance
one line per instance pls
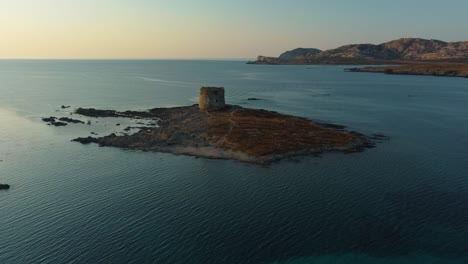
(403, 49)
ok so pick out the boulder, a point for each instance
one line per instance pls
(71, 120)
(49, 119)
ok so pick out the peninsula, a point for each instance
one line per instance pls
(213, 129)
(405, 50)
(433, 69)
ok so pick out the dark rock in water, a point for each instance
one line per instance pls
(49, 119)
(71, 120)
(253, 99)
(52, 121)
(378, 136)
(4, 186)
(65, 106)
(57, 124)
(89, 122)
(86, 140)
(117, 124)
(333, 126)
(91, 112)
(96, 113)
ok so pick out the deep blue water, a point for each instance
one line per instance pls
(405, 201)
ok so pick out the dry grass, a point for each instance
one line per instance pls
(259, 133)
(245, 134)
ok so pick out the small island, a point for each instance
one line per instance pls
(213, 129)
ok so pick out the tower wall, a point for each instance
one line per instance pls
(211, 98)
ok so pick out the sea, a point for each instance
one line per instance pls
(405, 201)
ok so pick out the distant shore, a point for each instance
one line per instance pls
(262, 60)
(428, 69)
(399, 51)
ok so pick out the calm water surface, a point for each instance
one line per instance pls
(405, 201)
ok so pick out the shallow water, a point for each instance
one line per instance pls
(405, 201)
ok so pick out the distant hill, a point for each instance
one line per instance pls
(405, 49)
(299, 53)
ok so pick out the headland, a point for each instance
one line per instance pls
(431, 69)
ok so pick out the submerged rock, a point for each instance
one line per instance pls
(71, 120)
(86, 140)
(52, 121)
(57, 124)
(49, 119)
(62, 121)
(4, 186)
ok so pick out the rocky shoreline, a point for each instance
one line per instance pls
(263, 60)
(234, 132)
(62, 121)
(429, 69)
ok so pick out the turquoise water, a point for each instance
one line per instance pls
(405, 201)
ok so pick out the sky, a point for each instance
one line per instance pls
(146, 29)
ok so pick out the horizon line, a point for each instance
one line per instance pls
(127, 58)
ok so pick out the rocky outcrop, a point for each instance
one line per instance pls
(408, 49)
(71, 120)
(267, 60)
(62, 121)
(405, 49)
(434, 69)
(91, 112)
(52, 121)
(249, 135)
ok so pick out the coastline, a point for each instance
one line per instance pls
(426, 69)
(237, 133)
(262, 60)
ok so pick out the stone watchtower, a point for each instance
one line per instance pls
(211, 98)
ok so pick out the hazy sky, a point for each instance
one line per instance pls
(215, 28)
